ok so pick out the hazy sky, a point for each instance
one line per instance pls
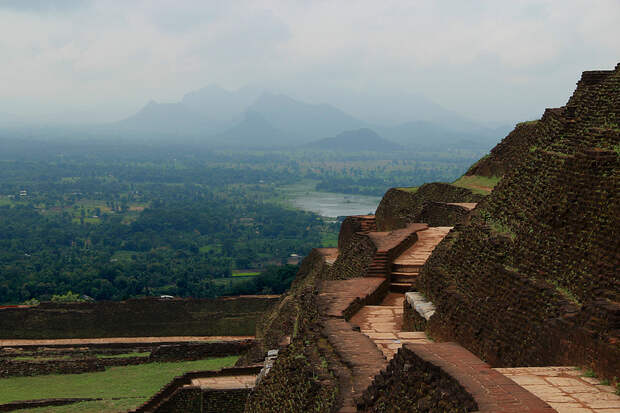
(488, 60)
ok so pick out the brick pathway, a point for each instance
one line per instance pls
(385, 241)
(225, 382)
(361, 356)
(336, 296)
(383, 324)
(565, 390)
(419, 252)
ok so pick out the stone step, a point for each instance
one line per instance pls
(411, 268)
(403, 277)
(399, 287)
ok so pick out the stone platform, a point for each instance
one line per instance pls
(565, 389)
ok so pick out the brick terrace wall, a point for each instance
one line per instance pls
(354, 260)
(399, 208)
(192, 399)
(33, 404)
(532, 278)
(131, 318)
(13, 368)
(441, 214)
(184, 400)
(198, 351)
(349, 226)
(512, 148)
(170, 396)
(279, 321)
(229, 401)
(304, 377)
(412, 384)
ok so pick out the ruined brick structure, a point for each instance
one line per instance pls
(532, 277)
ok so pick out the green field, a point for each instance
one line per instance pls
(129, 386)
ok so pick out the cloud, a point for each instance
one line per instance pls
(43, 6)
(484, 59)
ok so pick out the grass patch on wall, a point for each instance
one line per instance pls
(477, 184)
(412, 189)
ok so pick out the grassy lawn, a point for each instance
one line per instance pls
(478, 184)
(132, 385)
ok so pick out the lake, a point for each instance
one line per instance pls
(330, 204)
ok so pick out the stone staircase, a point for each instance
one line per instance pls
(403, 277)
(380, 266)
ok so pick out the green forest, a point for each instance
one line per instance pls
(114, 221)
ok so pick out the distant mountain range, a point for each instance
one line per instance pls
(356, 140)
(254, 118)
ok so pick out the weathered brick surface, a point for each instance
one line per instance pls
(445, 377)
(198, 351)
(354, 224)
(172, 398)
(34, 404)
(136, 317)
(400, 207)
(513, 147)
(442, 214)
(532, 277)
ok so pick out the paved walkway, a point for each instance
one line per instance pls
(356, 351)
(419, 252)
(383, 325)
(226, 382)
(385, 241)
(565, 390)
(336, 296)
(539, 390)
(114, 340)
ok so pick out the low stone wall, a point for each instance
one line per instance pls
(11, 368)
(400, 207)
(415, 385)
(163, 399)
(33, 404)
(373, 298)
(442, 214)
(198, 351)
(193, 399)
(229, 401)
(226, 316)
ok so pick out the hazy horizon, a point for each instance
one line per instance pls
(491, 62)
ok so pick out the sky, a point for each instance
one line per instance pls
(490, 61)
